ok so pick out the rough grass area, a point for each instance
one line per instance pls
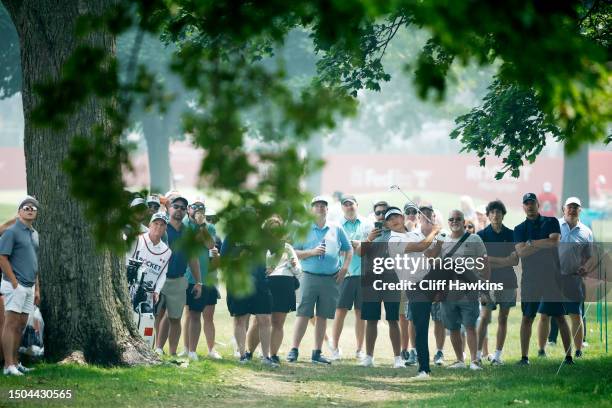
(228, 384)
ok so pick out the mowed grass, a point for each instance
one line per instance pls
(227, 383)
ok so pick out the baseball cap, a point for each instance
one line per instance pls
(159, 216)
(573, 200)
(179, 198)
(153, 199)
(319, 199)
(426, 207)
(348, 197)
(381, 203)
(29, 200)
(409, 205)
(198, 199)
(137, 201)
(392, 211)
(209, 212)
(529, 197)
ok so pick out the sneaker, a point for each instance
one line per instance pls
(438, 358)
(336, 354)
(183, 353)
(551, 343)
(458, 364)
(422, 376)
(192, 356)
(490, 357)
(235, 347)
(248, 356)
(159, 351)
(359, 355)
(318, 358)
(214, 354)
(569, 360)
(476, 365)
(524, 361)
(496, 361)
(275, 359)
(244, 359)
(412, 358)
(330, 346)
(367, 361)
(267, 361)
(404, 354)
(578, 353)
(399, 362)
(292, 356)
(23, 369)
(542, 353)
(12, 370)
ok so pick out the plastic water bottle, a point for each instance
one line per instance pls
(322, 256)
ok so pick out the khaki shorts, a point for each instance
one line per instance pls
(321, 291)
(20, 300)
(173, 297)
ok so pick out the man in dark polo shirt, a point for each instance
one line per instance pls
(537, 240)
(173, 295)
(499, 241)
(19, 264)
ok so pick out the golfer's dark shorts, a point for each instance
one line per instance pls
(209, 296)
(350, 293)
(259, 302)
(282, 289)
(530, 309)
(573, 308)
(372, 310)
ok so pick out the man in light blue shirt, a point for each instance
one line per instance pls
(326, 255)
(575, 248)
(357, 229)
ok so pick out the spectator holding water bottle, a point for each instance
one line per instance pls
(321, 253)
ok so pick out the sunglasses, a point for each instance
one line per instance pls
(379, 213)
(179, 207)
(469, 226)
(198, 207)
(455, 219)
(410, 212)
(29, 208)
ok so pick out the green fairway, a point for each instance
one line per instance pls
(226, 383)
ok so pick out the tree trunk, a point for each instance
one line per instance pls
(576, 176)
(83, 291)
(158, 151)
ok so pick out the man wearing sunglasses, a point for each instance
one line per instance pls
(204, 305)
(411, 220)
(173, 295)
(463, 308)
(154, 204)
(537, 242)
(20, 287)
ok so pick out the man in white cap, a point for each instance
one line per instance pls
(153, 203)
(324, 270)
(20, 286)
(575, 249)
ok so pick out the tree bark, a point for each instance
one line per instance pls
(158, 151)
(83, 290)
